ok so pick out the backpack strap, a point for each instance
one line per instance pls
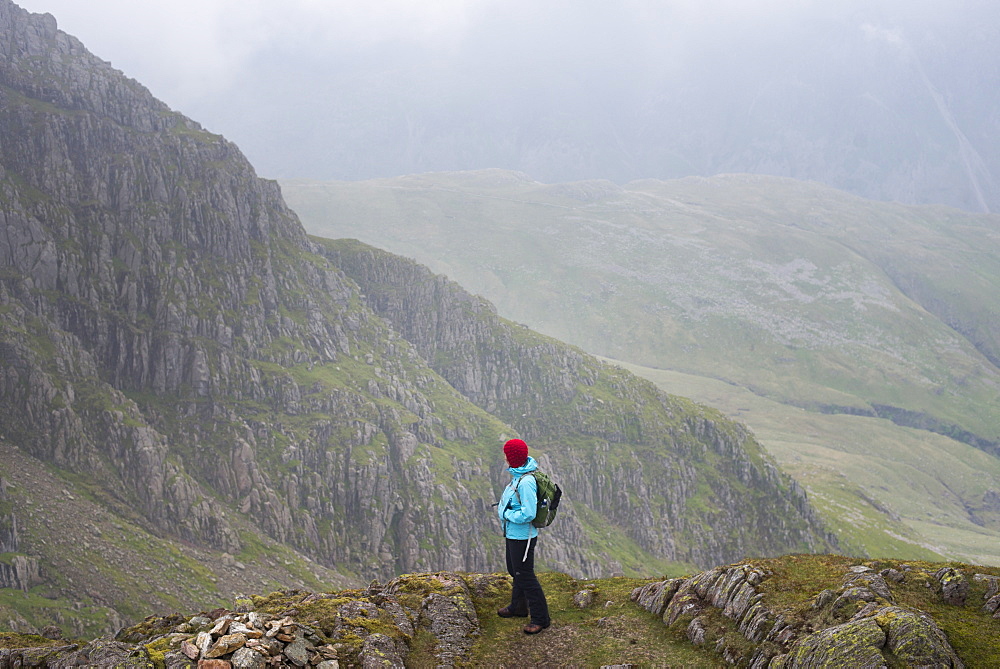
(517, 493)
(517, 483)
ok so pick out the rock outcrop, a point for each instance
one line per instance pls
(992, 598)
(374, 627)
(752, 614)
(17, 571)
(857, 624)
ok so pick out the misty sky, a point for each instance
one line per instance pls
(566, 89)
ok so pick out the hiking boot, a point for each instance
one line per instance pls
(534, 628)
(505, 612)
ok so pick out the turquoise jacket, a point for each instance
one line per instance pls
(516, 514)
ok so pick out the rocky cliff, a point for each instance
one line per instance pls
(17, 571)
(191, 386)
(665, 472)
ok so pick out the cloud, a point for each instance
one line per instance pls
(354, 88)
(183, 48)
(892, 37)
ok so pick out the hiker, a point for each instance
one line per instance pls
(517, 508)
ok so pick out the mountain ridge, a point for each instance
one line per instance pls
(219, 395)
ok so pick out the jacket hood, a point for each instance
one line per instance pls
(528, 466)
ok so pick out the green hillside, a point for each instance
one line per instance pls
(875, 320)
(881, 503)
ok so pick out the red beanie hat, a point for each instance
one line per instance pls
(516, 452)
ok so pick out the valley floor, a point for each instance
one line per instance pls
(885, 490)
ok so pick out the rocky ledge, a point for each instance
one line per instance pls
(859, 623)
(370, 627)
(781, 613)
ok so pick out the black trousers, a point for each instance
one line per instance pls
(526, 596)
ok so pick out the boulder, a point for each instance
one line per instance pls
(583, 599)
(655, 596)
(380, 650)
(297, 652)
(853, 644)
(874, 582)
(915, 639)
(954, 585)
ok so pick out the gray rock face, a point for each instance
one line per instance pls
(656, 597)
(992, 597)
(910, 637)
(551, 395)
(163, 249)
(9, 539)
(380, 651)
(452, 619)
(875, 583)
(733, 591)
(915, 639)
(954, 585)
(853, 644)
(19, 572)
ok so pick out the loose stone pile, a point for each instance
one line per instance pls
(369, 627)
(251, 640)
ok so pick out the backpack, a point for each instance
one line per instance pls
(549, 494)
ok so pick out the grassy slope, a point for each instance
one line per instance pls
(94, 554)
(884, 503)
(799, 293)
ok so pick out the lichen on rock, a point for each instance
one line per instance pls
(855, 625)
(915, 639)
(954, 585)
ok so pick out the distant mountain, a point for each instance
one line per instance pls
(887, 100)
(862, 335)
(198, 400)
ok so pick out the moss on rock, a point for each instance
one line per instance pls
(847, 646)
